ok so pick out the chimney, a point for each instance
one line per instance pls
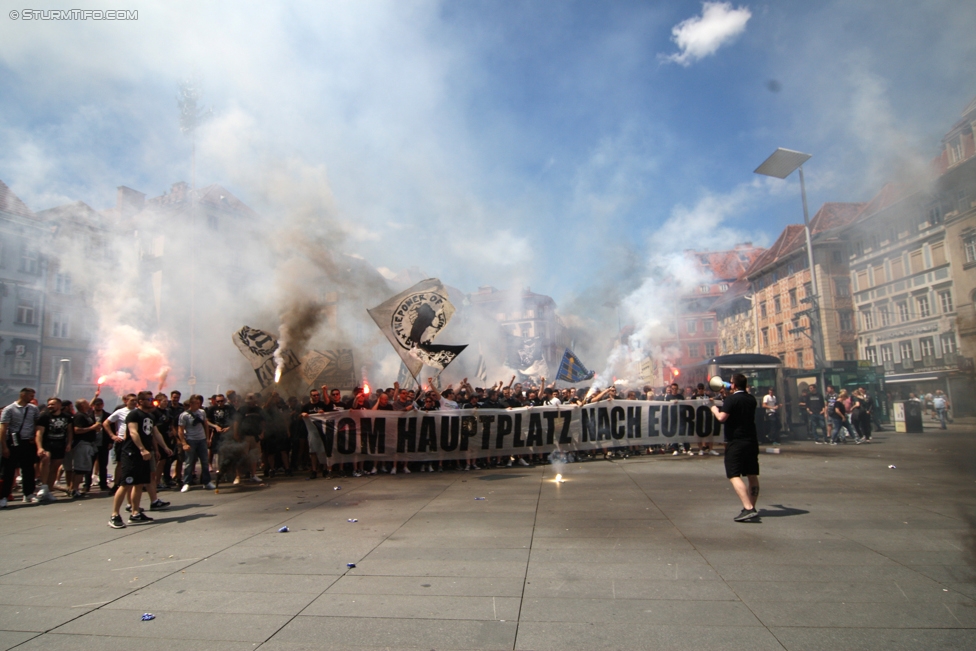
(128, 202)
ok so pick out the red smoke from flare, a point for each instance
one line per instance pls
(129, 361)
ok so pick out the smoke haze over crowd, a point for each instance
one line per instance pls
(505, 144)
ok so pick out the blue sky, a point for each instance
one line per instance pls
(533, 143)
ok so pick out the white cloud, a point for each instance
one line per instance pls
(700, 36)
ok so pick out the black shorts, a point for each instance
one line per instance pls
(741, 458)
(274, 444)
(215, 441)
(56, 451)
(135, 470)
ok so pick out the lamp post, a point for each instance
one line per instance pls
(781, 164)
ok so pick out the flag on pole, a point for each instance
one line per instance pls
(404, 379)
(481, 372)
(572, 370)
(259, 347)
(411, 320)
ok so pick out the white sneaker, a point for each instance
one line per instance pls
(185, 489)
(357, 474)
(393, 470)
(523, 462)
(675, 453)
(406, 470)
(3, 502)
(373, 471)
(255, 479)
(714, 453)
(30, 499)
(509, 464)
(211, 486)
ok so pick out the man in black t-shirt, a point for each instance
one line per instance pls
(54, 440)
(815, 407)
(738, 414)
(83, 449)
(249, 430)
(316, 405)
(135, 451)
(221, 416)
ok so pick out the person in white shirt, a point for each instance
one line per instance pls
(771, 405)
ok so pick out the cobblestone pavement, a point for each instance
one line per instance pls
(635, 554)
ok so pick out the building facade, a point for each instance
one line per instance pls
(694, 327)
(23, 275)
(782, 289)
(912, 278)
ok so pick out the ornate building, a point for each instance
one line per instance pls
(781, 284)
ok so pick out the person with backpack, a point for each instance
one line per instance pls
(17, 424)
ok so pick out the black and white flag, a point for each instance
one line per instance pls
(411, 320)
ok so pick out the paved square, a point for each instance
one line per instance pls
(634, 554)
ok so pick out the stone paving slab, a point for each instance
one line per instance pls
(633, 554)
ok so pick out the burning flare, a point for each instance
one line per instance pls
(559, 479)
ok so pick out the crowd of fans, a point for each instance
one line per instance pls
(77, 447)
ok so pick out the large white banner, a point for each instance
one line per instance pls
(358, 435)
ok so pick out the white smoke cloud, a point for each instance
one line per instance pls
(701, 36)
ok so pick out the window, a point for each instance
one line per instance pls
(62, 283)
(871, 353)
(955, 149)
(867, 319)
(26, 311)
(915, 259)
(799, 359)
(885, 315)
(862, 280)
(690, 326)
(735, 342)
(935, 214)
(923, 306)
(897, 268)
(835, 257)
(703, 289)
(948, 342)
(693, 351)
(887, 354)
(962, 201)
(793, 302)
(969, 243)
(23, 361)
(903, 311)
(28, 261)
(879, 274)
(777, 304)
(926, 346)
(850, 354)
(724, 287)
(748, 340)
(59, 325)
(762, 309)
(846, 320)
(708, 325)
(945, 300)
(710, 349)
(905, 349)
(807, 289)
(938, 254)
(779, 332)
(842, 287)
(765, 336)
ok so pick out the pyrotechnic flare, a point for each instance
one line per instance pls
(163, 374)
(279, 357)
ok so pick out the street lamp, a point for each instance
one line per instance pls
(781, 164)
